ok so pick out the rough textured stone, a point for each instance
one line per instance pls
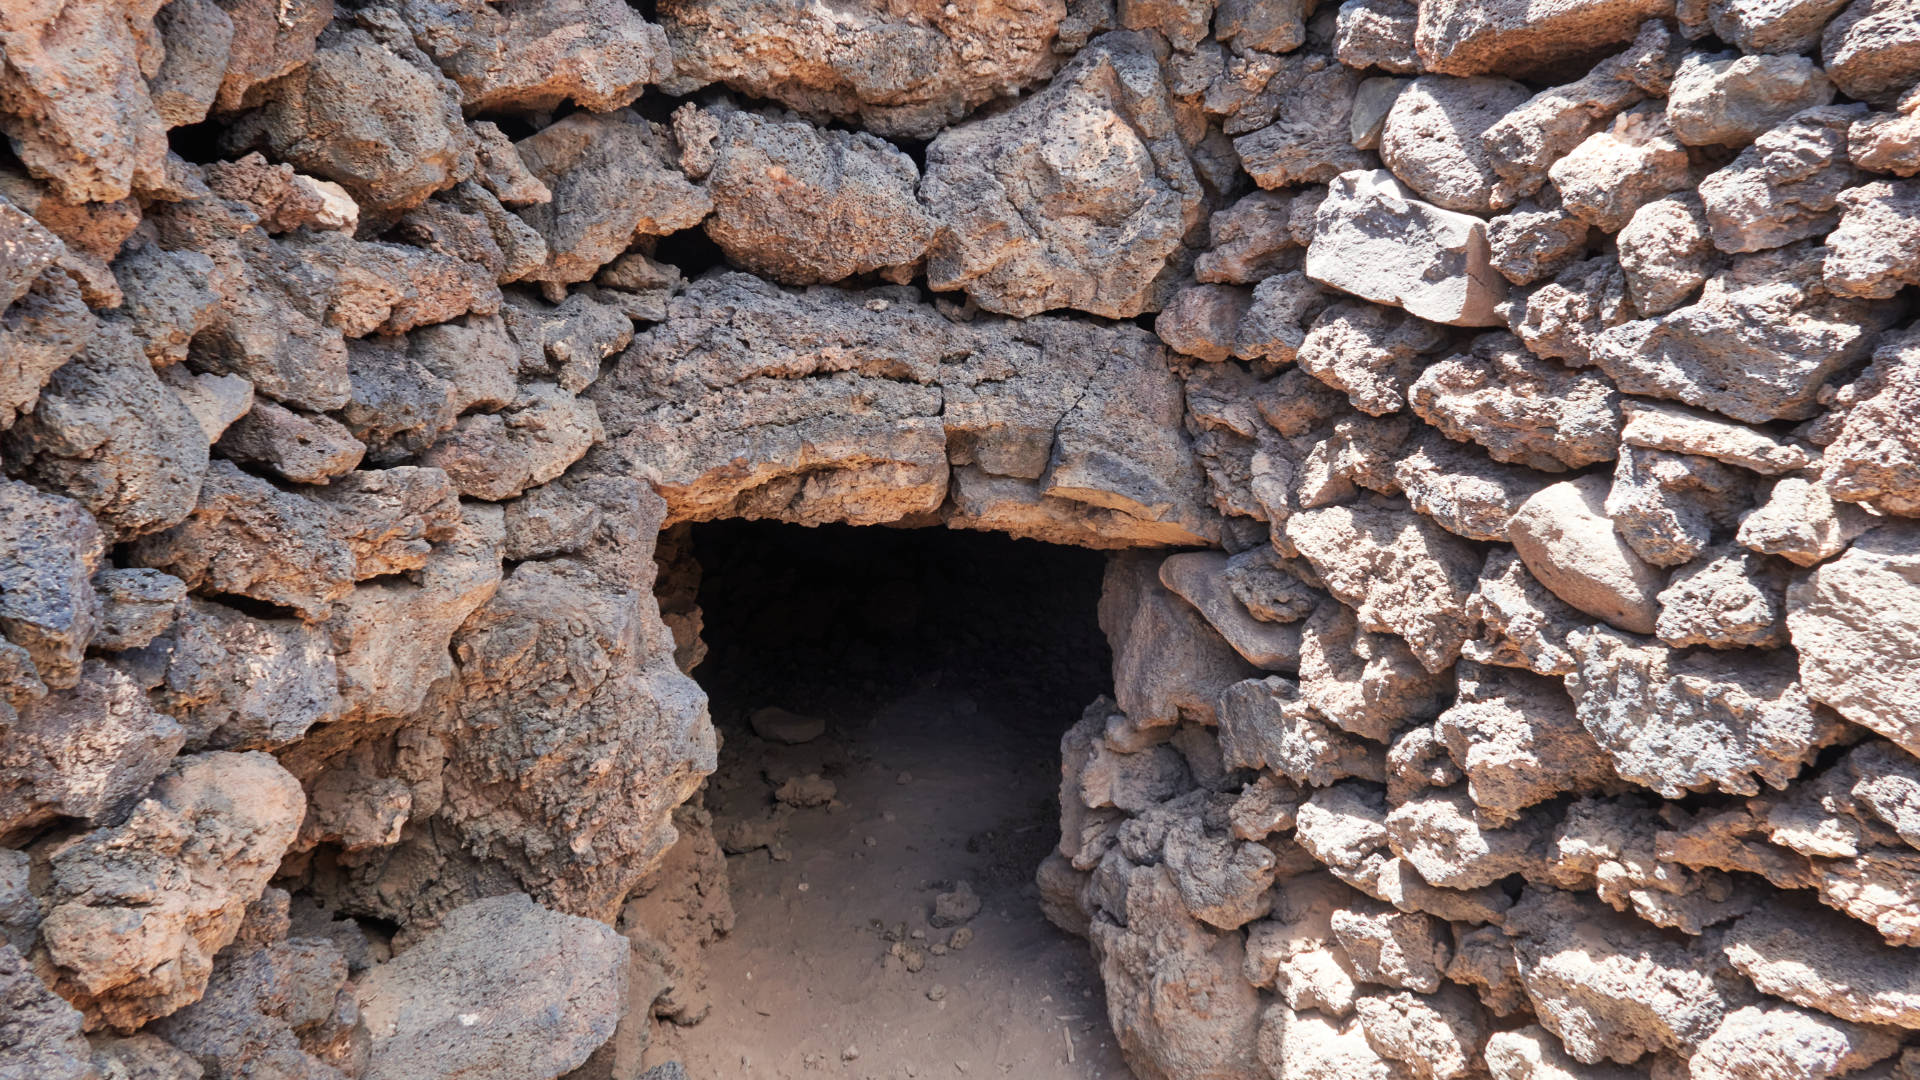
(248, 538)
(1212, 1030)
(499, 455)
(1725, 720)
(1378, 33)
(1026, 426)
(1524, 144)
(1255, 237)
(802, 205)
(1666, 252)
(1536, 239)
(1668, 506)
(529, 57)
(612, 181)
(1432, 139)
(1822, 960)
(1460, 38)
(1402, 574)
(136, 912)
(1888, 142)
(89, 754)
(1874, 459)
(1654, 425)
(1435, 1037)
(241, 683)
(1871, 252)
(1518, 741)
(1168, 662)
(1030, 206)
(469, 996)
(47, 604)
(1728, 599)
(1522, 623)
(1370, 684)
(353, 114)
(1200, 578)
(1523, 409)
(1757, 26)
(39, 1032)
(1722, 352)
(1853, 622)
(281, 1007)
(905, 70)
(1559, 319)
(1731, 100)
(1309, 139)
(1372, 353)
(108, 433)
(301, 448)
(1785, 186)
(1801, 522)
(1612, 988)
(1616, 171)
(1779, 1040)
(1374, 239)
(78, 110)
(1871, 50)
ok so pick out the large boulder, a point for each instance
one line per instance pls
(1050, 428)
(504, 989)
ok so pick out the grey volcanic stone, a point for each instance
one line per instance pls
(475, 996)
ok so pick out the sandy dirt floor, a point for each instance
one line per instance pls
(815, 979)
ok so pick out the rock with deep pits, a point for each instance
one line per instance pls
(1403, 574)
(1757, 345)
(1076, 197)
(1679, 722)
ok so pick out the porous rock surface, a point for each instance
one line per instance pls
(1531, 389)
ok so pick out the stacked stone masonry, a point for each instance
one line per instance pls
(1504, 416)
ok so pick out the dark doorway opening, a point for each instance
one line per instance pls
(929, 674)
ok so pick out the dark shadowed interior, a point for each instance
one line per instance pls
(945, 665)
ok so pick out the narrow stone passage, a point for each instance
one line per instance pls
(944, 667)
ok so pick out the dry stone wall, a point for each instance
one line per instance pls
(1532, 389)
